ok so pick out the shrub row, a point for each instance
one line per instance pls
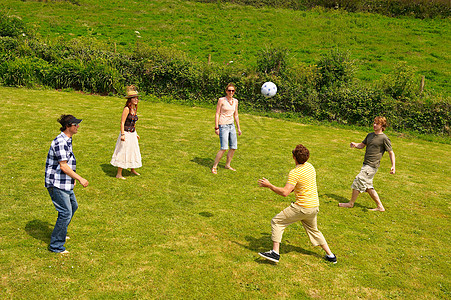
(393, 8)
(325, 91)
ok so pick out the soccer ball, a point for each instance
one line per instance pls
(269, 89)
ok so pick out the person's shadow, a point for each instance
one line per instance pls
(39, 230)
(206, 214)
(341, 199)
(264, 243)
(206, 162)
(109, 170)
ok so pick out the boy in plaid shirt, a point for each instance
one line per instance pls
(60, 179)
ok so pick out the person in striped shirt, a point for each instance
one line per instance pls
(301, 181)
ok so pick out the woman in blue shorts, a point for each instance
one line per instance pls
(226, 112)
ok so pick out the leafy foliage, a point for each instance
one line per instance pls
(335, 69)
(401, 84)
(324, 91)
(393, 8)
(11, 26)
(272, 61)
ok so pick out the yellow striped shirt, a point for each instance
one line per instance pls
(303, 177)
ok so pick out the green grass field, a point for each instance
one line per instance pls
(238, 33)
(178, 231)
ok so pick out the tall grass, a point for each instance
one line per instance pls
(177, 231)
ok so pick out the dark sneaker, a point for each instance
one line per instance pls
(271, 255)
(331, 259)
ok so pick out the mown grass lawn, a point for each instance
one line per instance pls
(238, 33)
(178, 231)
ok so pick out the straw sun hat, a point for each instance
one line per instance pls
(131, 92)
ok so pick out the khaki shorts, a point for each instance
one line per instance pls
(295, 213)
(364, 180)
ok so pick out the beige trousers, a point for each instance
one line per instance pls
(295, 213)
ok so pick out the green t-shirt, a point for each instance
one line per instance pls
(376, 145)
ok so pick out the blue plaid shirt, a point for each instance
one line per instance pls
(60, 150)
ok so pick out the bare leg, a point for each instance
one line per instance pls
(326, 248)
(229, 159)
(275, 247)
(134, 172)
(376, 199)
(119, 174)
(217, 159)
(350, 204)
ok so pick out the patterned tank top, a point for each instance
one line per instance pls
(129, 124)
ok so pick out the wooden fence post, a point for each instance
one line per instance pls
(422, 84)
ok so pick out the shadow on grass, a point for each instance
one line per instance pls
(39, 230)
(206, 214)
(206, 162)
(264, 244)
(341, 199)
(109, 170)
(337, 198)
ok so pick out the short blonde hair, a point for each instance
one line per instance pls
(230, 85)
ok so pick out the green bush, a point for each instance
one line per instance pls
(417, 8)
(393, 8)
(8, 44)
(335, 69)
(351, 105)
(422, 117)
(272, 61)
(23, 71)
(165, 72)
(401, 83)
(325, 91)
(12, 26)
(67, 74)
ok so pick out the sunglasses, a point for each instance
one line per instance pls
(232, 91)
(75, 124)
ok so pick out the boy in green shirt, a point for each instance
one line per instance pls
(376, 144)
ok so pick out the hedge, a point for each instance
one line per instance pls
(393, 8)
(324, 91)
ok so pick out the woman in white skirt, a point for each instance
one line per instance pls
(126, 154)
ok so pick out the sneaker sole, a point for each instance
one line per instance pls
(268, 258)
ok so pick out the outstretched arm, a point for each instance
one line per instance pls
(283, 191)
(358, 145)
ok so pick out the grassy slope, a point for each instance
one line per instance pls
(237, 33)
(180, 232)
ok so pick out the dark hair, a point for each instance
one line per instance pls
(65, 121)
(301, 154)
(129, 104)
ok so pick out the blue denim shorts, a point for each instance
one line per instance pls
(227, 136)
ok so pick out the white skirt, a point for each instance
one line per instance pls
(126, 154)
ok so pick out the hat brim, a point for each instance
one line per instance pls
(132, 96)
(74, 120)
